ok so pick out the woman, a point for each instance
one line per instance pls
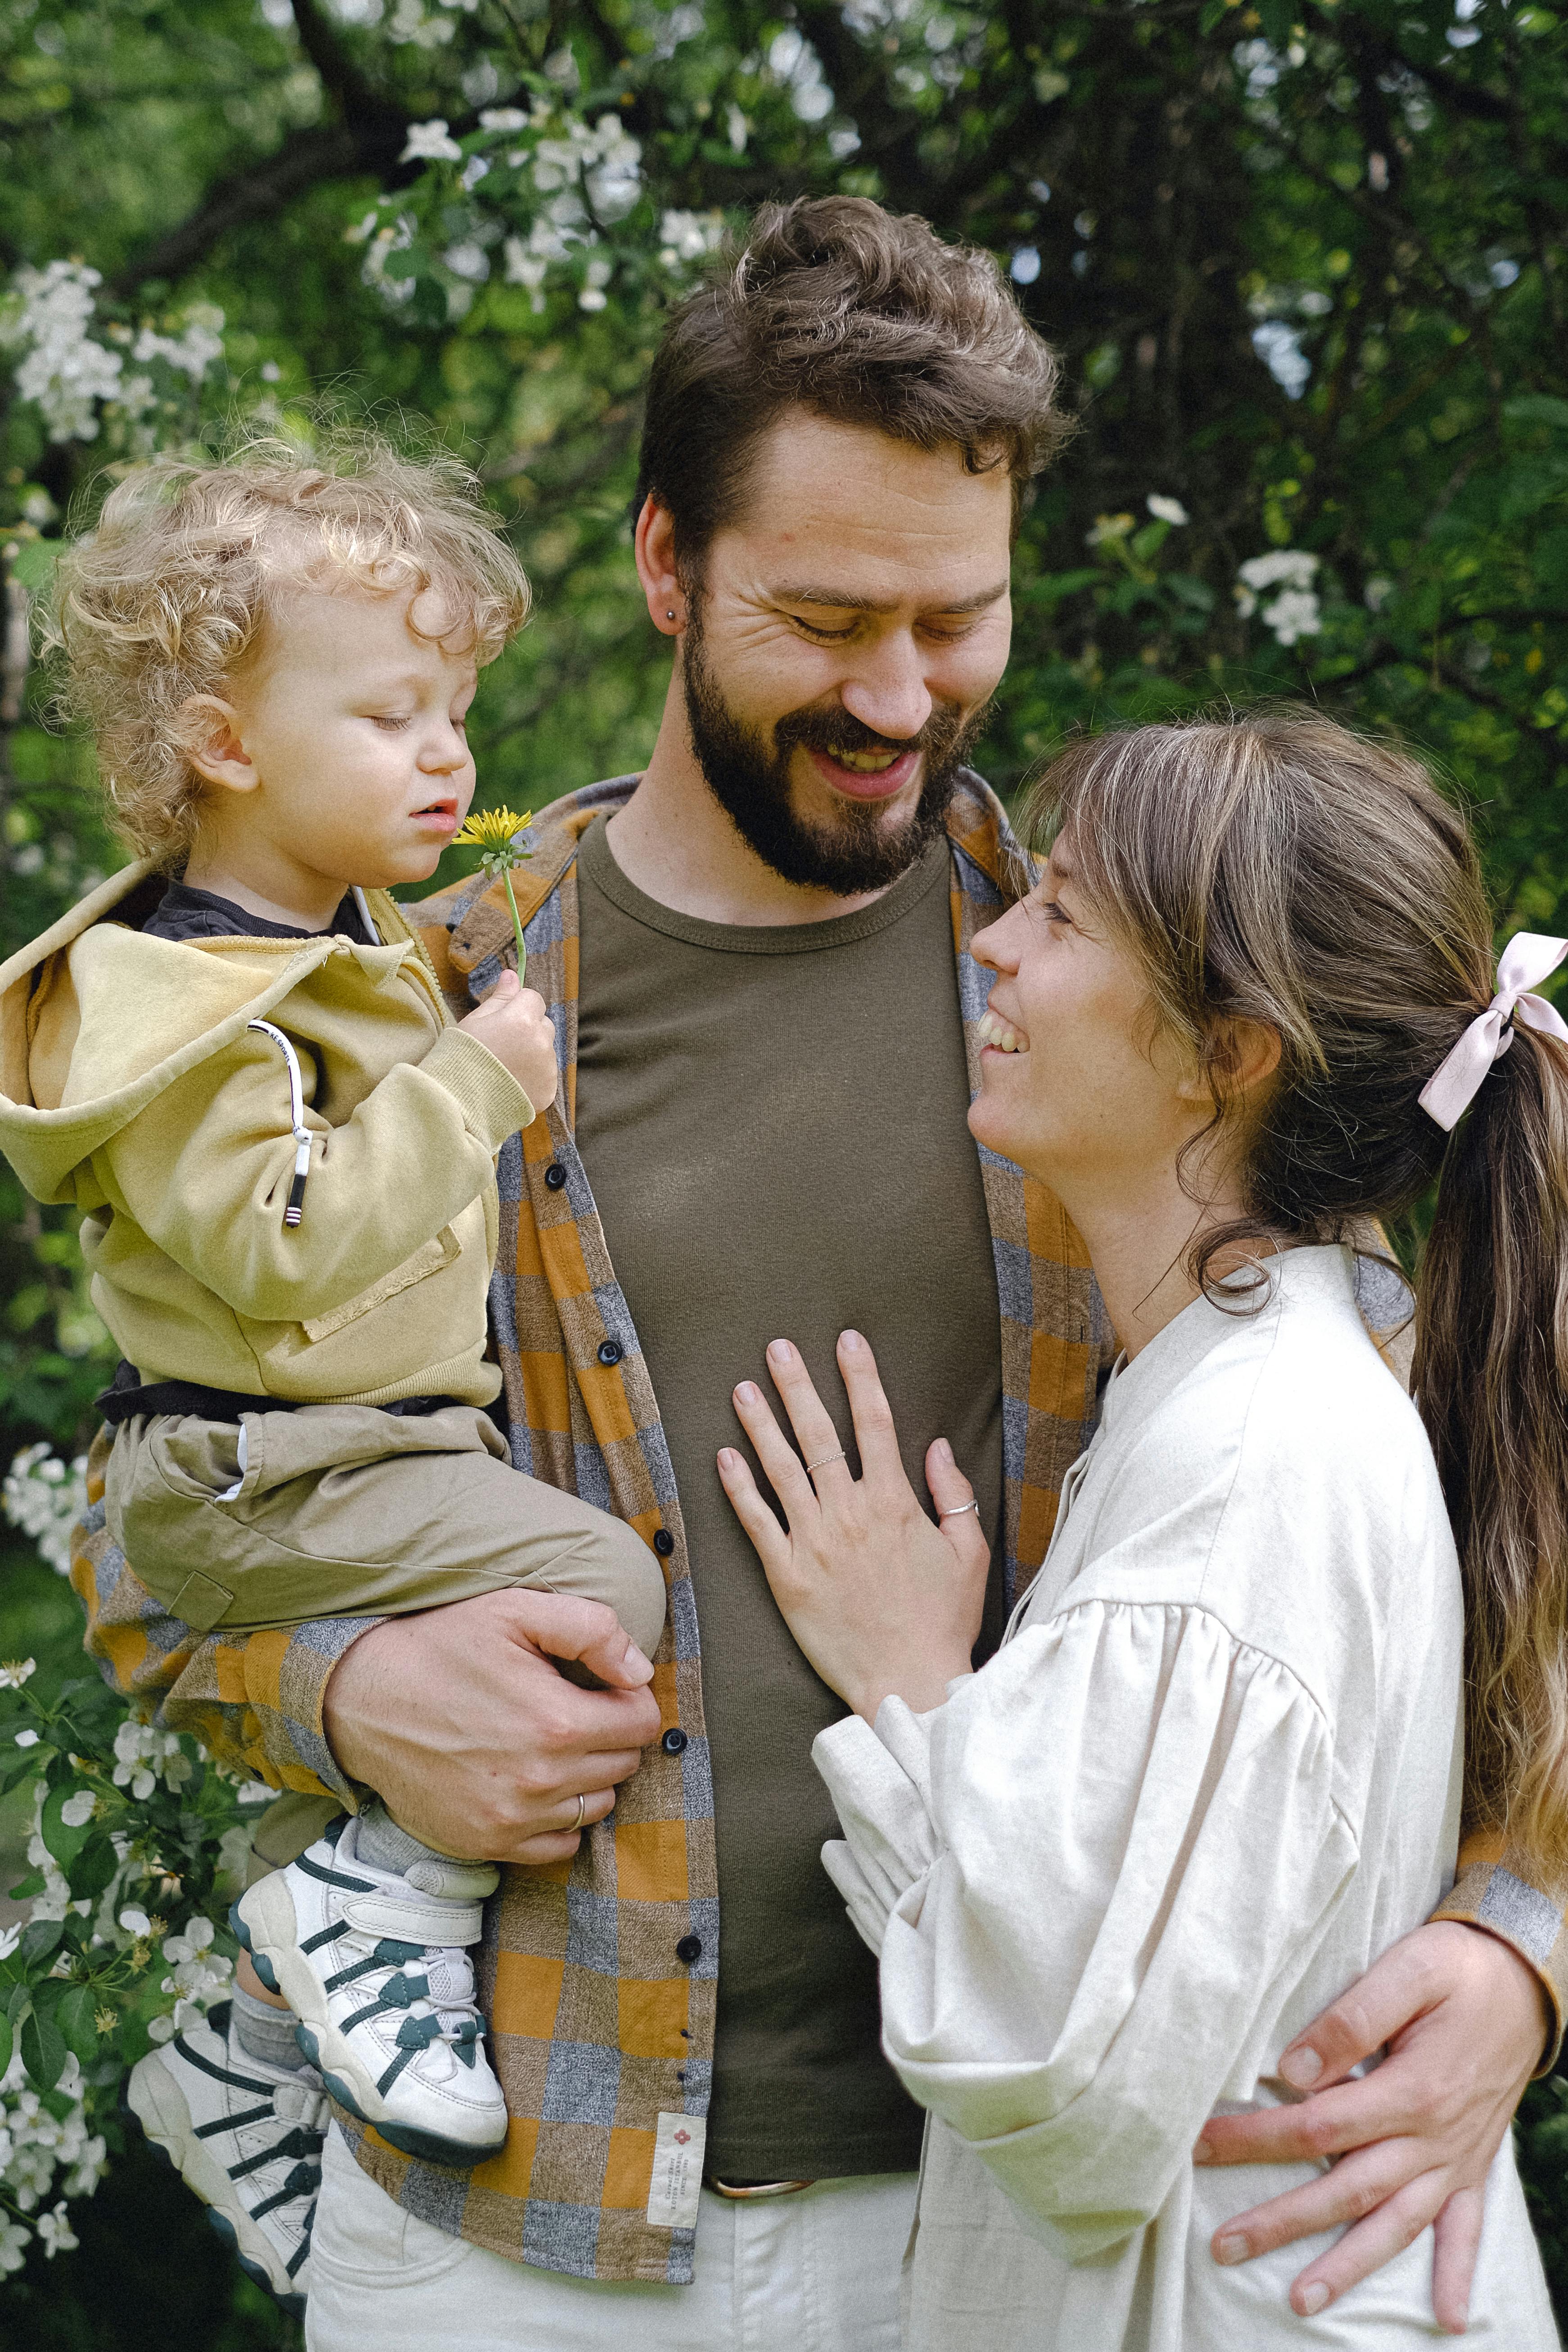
(1215, 1768)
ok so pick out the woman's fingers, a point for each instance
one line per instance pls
(955, 1498)
(875, 1436)
(815, 1433)
(770, 1539)
(781, 1465)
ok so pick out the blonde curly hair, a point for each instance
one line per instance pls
(166, 597)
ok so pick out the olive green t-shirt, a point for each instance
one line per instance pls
(772, 1123)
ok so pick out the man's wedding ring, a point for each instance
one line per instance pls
(582, 1811)
(958, 1510)
(813, 1467)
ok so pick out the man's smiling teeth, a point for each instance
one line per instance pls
(994, 1030)
(864, 763)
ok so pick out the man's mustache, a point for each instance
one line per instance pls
(836, 730)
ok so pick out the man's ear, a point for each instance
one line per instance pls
(657, 570)
(212, 742)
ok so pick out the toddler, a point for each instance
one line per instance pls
(235, 1058)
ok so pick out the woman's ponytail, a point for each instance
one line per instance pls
(1490, 1376)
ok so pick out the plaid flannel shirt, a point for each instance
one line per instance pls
(599, 1974)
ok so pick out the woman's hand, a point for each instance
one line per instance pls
(880, 1600)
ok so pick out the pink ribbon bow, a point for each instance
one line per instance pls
(1454, 1085)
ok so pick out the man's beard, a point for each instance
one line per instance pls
(750, 779)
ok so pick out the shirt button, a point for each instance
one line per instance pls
(610, 1351)
(555, 1176)
(674, 1740)
(664, 1543)
(689, 1948)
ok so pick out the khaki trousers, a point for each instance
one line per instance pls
(342, 1510)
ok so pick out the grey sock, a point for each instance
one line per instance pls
(265, 2033)
(382, 1843)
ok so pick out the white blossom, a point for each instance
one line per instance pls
(27, 1740)
(1165, 509)
(467, 260)
(45, 1498)
(431, 143)
(64, 370)
(15, 1670)
(144, 1755)
(56, 2232)
(1377, 591)
(14, 2239)
(597, 276)
(192, 353)
(689, 236)
(1296, 614)
(503, 117)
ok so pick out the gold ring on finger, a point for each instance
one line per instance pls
(582, 1811)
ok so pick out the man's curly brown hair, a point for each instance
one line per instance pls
(167, 597)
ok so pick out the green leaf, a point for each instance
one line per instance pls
(39, 1938)
(25, 1888)
(34, 562)
(1537, 408)
(94, 1866)
(43, 2051)
(7, 2043)
(74, 2017)
(17, 1772)
(63, 1842)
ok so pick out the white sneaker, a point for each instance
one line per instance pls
(383, 1992)
(246, 2136)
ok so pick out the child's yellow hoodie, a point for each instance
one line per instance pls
(132, 1084)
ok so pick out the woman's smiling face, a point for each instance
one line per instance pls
(1080, 1084)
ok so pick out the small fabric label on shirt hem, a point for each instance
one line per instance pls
(676, 2184)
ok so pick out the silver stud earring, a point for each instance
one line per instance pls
(669, 614)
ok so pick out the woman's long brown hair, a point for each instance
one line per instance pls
(1274, 867)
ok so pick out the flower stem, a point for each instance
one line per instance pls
(516, 924)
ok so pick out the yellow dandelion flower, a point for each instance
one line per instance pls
(492, 829)
(493, 833)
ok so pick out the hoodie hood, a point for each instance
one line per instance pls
(96, 1020)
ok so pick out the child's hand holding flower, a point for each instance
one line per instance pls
(514, 1022)
(493, 833)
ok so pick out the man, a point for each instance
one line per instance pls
(756, 961)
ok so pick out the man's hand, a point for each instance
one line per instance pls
(459, 1720)
(1465, 2021)
(513, 1025)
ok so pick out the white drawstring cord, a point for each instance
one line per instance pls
(296, 1208)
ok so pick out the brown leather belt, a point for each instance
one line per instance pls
(739, 2191)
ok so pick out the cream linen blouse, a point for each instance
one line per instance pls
(1213, 1772)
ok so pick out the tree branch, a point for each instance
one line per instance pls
(368, 137)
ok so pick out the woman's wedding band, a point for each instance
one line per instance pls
(582, 1811)
(813, 1467)
(958, 1510)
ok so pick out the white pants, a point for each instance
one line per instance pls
(818, 2272)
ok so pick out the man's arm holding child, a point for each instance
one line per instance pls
(457, 1717)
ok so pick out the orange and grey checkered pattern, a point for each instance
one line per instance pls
(599, 2024)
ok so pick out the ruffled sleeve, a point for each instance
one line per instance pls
(1086, 1874)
